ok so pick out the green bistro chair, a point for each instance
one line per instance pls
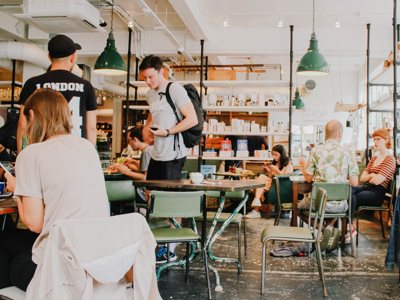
(335, 192)
(165, 204)
(298, 234)
(121, 193)
(281, 195)
(238, 219)
(386, 206)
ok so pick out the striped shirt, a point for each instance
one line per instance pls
(386, 168)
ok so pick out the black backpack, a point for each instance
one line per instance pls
(8, 133)
(192, 136)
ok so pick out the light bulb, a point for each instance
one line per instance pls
(337, 24)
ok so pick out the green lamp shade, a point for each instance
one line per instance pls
(110, 61)
(297, 102)
(313, 63)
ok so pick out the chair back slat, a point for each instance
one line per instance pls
(335, 191)
(120, 190)
(165, 204)
(232, 195)
(320, 206)
(285, 190)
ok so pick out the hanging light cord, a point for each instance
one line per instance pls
(313, 19)
(112, 15)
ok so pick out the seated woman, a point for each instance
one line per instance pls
(377, 175)
(280, 165)
(58, 176)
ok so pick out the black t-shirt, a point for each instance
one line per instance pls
(78, 92)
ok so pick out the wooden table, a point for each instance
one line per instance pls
(8, 206)
(221, 186)
(115, 176)
(299, 186)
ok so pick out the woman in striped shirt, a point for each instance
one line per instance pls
(377, 175)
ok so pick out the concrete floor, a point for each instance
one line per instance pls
(364, 277)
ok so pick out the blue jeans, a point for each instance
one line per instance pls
(367, 195)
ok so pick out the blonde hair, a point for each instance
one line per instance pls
(51, 115)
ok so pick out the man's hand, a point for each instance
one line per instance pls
(159, 132)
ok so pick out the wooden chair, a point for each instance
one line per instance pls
(298, 234)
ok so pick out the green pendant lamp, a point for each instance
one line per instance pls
(313, 63)
(297, 102)
(110, 62)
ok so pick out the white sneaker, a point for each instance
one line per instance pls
(256, 202)
(253, 215)
(347, 237)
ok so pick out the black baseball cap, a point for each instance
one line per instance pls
(62, 46)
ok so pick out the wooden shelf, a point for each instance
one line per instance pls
(248, 109)
(246, 133)
(385, 103)
(385, 76)
(245, 83)
(251, 158)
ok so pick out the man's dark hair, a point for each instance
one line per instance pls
(136, 132)
(151, 61)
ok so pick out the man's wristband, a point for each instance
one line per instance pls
(167, 133)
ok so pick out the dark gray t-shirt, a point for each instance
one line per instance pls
(163, 117)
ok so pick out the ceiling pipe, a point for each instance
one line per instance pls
(30, 53)
(161, 26)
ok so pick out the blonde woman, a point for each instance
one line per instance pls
(280, 165)
(58, 176)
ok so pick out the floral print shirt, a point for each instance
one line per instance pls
(332, 162)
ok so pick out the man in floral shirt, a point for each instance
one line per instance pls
(334, 163)
(331, 162)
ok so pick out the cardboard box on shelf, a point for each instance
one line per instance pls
(261, 154)
(226, 153)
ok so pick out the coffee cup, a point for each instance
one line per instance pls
(196, 177)
(2, 186)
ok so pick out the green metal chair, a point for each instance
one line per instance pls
(280, 194)
(335, 192)
(386, 206)
(238, 219)
(121, 193)
(298, 234)
(165, 204)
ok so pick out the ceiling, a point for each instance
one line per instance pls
(234, 31)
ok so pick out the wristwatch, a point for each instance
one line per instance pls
(167, 133)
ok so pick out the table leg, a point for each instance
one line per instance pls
(295, 194)
(220, 231)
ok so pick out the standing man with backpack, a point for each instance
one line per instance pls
(169, 151)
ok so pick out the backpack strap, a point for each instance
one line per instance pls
(171, 103)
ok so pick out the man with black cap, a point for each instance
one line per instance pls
(78, 92)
